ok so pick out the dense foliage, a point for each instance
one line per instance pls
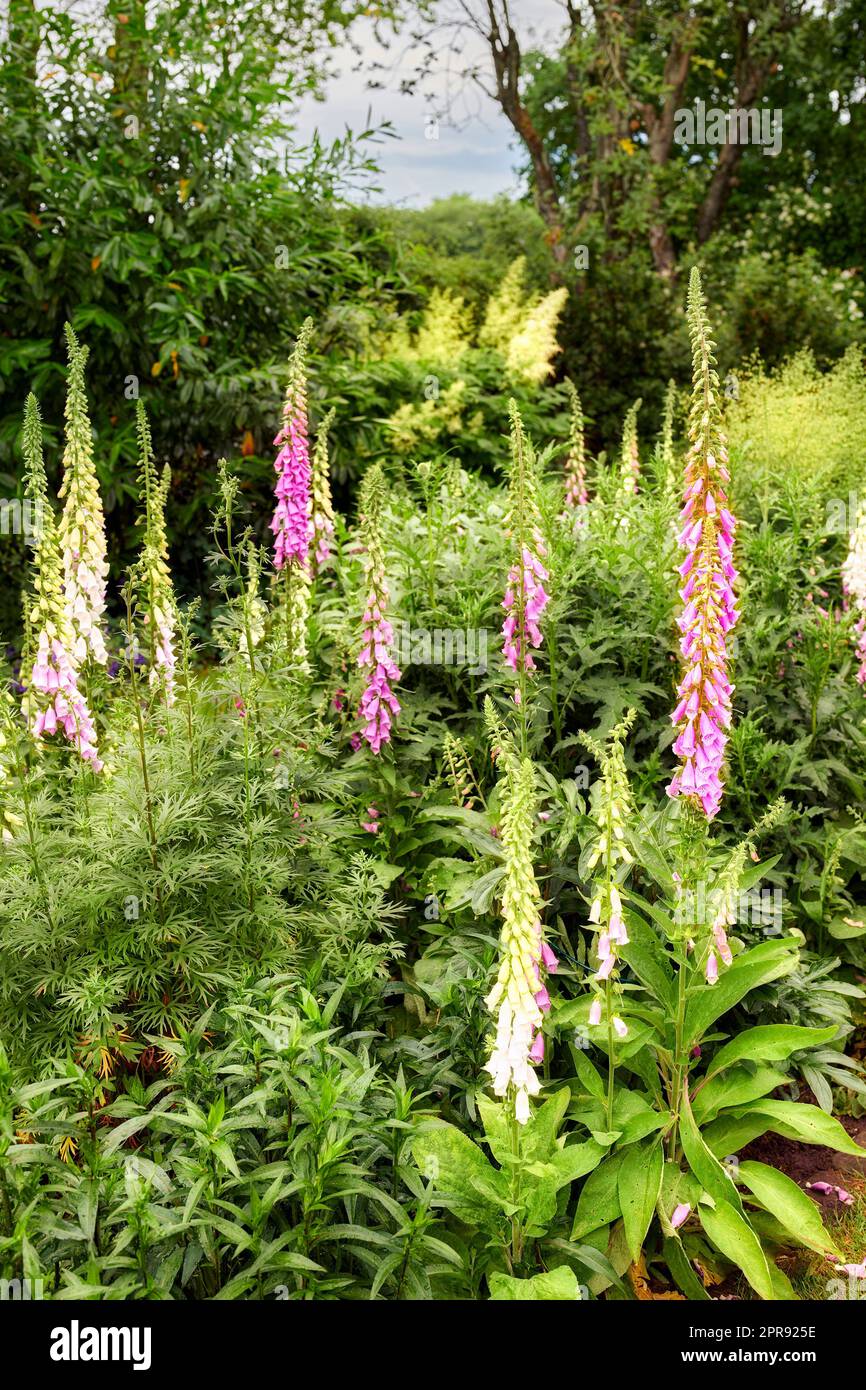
(353, 952)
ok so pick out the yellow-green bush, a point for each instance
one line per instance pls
(800, 425)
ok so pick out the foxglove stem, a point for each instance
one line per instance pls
(629, 454)
(322, 505)
(154, 576)
(576, 495)
(666, 443)
(142, 752)
(611, 806)
(82, 524)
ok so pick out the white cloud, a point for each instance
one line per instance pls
(477, 154)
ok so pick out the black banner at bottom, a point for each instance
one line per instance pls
(63, 1340)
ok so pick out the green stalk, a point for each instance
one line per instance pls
(611, 1069)
(679, 1061)
(142, 753)
(516, 1254)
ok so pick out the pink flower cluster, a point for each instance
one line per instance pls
(323, 536)
(378, 701)
(854, 586)
(704, 708)
(292, 523)
(719, 946)
(54, 676)
(163, 654)
(542, 998)
(616, 935)
(860, 629)
(524, 602)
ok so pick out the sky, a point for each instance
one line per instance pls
(475, 152)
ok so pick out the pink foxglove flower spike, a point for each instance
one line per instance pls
(292, 521)
(525, 595)
(854, 586)
(703, 713)
(53, 702)
(378, 702)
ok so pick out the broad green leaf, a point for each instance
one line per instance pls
(732, 1132)
(680, 1267)
(587, 1075)
(646, 957)
(789, 1204)
(598, 1203)
(794, 1120)
(555, 1285)
(772, 1042)
(703, 1163)
(638, 1185)
(470, 1186)
(575, 1161)
(783, 1290)
(735, 1086)
(537, 1138)
(761, 964)
(730, 1233)
(846, 928)
(755, 872)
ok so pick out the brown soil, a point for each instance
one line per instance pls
(812, 1163)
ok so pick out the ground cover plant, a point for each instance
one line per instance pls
(471, 906)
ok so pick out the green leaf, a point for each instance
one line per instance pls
(761, 964)
(462, 1177)
(789, 1204)
(646, 957)
(587, 1074)
(732, 1132)
(555, 1285)
(771, 1043)
(730, 1233)
(735, 1086)
(680, 1267)
(846, 930)
(638, 1185)
(808, 1123)
(704, 1164)
(755, 872)
(575, 1161)
(537, 1136)
(598, 1203)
